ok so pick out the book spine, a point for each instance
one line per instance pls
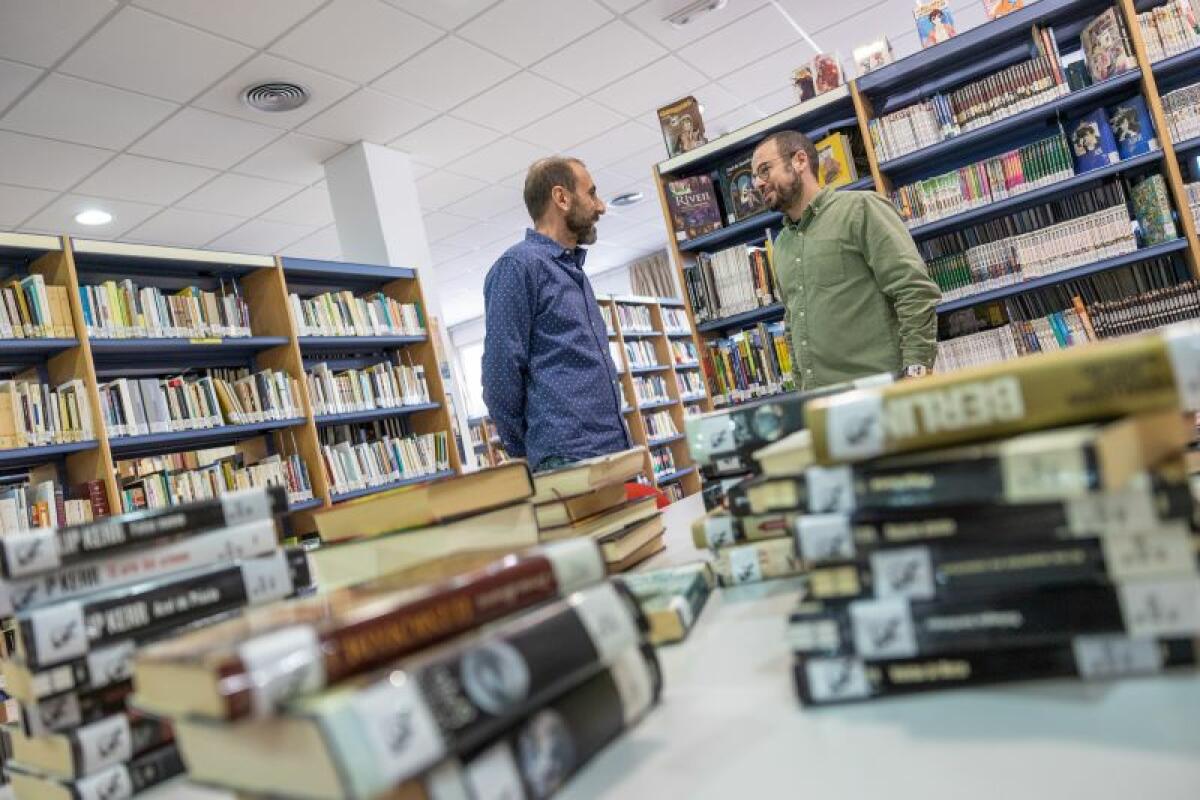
(115, 740)
(824, 681)
(73, 709)
(125, 780)
(757, 562)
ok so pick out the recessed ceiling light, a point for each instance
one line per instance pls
(627, 199)
(93, 216)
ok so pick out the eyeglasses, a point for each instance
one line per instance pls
(764, 169)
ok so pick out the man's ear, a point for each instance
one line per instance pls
(561, 198)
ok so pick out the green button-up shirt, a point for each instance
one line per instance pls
(857, 297)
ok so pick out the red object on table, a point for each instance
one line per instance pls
(635, 490)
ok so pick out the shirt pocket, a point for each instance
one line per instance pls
(825, 261)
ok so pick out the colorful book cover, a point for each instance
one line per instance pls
(1105, 46)
(827, 72)
(999, 8)
(694, 208)
(1131, 125)
(1092, 143)
(1152, 207)
(834, 165)
(935, 22)
(802, 82)
(872, 56)
(742, 200)
(682, 126)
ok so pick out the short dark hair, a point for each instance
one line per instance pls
(544, 174)
(791, 142)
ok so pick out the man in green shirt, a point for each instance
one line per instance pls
(857, 297)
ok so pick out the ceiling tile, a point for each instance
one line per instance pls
(766, 75)
(483, 233)
(45, 164)
(445, 251)
(621, 142)
(641, 164)
(621, 6)
(322, 245)
(260, 236)
(85, 113)
(448, 14)
(42, 32)
(814, 17)
(14, 79)
(294, 159)
(60, 216)
(527, 30)
(778, 100)
(487, 203)
(310, 207)
(256, 24)
(18, 203)
(650, 19)
(740, 43)
(237, 194)
(445, 74)
(650, 88)
(440, 225)
(356, 39)
(146, 53)
(443, 188)
(601, 57)
(226, 97)
(716, 100)
(884, 18)
(369, 116)
(129, 177)
(500, 159)
(515, 218)
(443, 140)
(571, 125)
(204, 138)
(184, 228)
(517, 102)
(738, 118)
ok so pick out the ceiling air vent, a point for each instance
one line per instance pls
(275, 97)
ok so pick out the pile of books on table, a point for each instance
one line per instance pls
(671, 598)
(498, 682)
(1025, 520)
(81, 599)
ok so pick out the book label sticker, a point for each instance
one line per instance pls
(854, 425)
(492, 775)
(110, 664)
(30, 552)
(710, 437)
(247, 505)
(718, 531)
(832, 679)
(1029, 476)
(1112, 513)
(607, 620)
(744, 566)
(824, 537)
(1143, 555)
(282, 664)
(1161, 608)
(903, 572)
(883, 628)
(266, 579)
(59, 633)
(1098, 657)
(111, 784)
(447, 781)
(830, 489)
(397, 729)
(576, 563)
(1183, 350)
(632, 677)
(104, 743)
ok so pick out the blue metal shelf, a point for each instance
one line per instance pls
(741, 232)
(1187, 144)
(692, 365)
(373, 414)
(1141, 254)
(357, 343)
(304, 505)
(665, 440)
(673, 476)
(341, 498)
(692, 398)
(128, 445)
(30, 456)
(644, 370)
(1189, 59)
(1010, 204)
(765, 314)
(640, 334)
(673, 302)
(656, 404)
(30, 348)
(339, 270)
(679, 334)
(858, 185)
(231, 345)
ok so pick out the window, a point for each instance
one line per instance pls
(470, 358)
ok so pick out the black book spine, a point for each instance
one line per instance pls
(822, 681)
(901, 628)
(36, 551)
(115, 740)
(71, 709)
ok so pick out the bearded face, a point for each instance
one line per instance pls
(582, 217)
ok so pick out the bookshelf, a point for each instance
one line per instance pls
(971, 55)
(489, 450)
(273, 343)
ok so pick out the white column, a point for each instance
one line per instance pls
(378, 217)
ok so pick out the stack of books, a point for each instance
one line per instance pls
(34, 502)
(123, 310)
(378, 453)
(33, 414)
(751, 363)
(378, 386)
(31, 309)
(343, 314)
(82, 599)
(1169, 29)
(396, 688)
(671, 598)
(731, 281)
(634, 318)
(1025, 520)
(587, 499)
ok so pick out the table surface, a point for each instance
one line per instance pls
(729, 726)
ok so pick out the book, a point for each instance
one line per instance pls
(1029, 617)
(827, 72)
(1106, 46)
(682, 126)
(343, 314)
(606, 524)
(788, 457)
(873, 55)
(998, 8)
(719, 528)
(455, 699)
(1150, 372)
(835, 164)
(756, 562)
(584, 476)
(1153, 210)
(672, 598)
(803, 83)
(651, 547)
(742, 199)
(510, 529)
(88, 749)
(935, 22)
(635, 540)
(1092, 142)
(1132, 127)
(217, 673)
(426, 504)
(120, 780)
(73, 709)
(574, 509)
(693, 206)
(54, 634)
(824, 681)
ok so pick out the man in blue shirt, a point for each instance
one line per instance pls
(548, 380)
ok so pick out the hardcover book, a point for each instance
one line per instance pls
(999, 8)
(118, 781)
(827, 72)
(585, 476)
(1092, 142)
(835, 163)
(1106, 46)
(1132, 127)
(757, 562)
(1152, 207)
(872, 56)
(935, 22)
(742, 200)
(803, 83)
(682, 126)
(693, 205)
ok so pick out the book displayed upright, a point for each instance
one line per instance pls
(694, 207)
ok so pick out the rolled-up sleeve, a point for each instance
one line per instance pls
(509, 298)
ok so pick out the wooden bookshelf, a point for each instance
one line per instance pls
(265, 283)
(971, 55)
(486, 442)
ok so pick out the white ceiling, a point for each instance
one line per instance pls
(132, 105)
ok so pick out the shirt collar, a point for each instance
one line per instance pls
(814, 207)
(554, 249)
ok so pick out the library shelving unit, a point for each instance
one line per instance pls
(659, 337)
(265, 283)
(969, 56)
(489, 450)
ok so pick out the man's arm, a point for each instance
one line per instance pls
(902, 276)
(508, 296)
